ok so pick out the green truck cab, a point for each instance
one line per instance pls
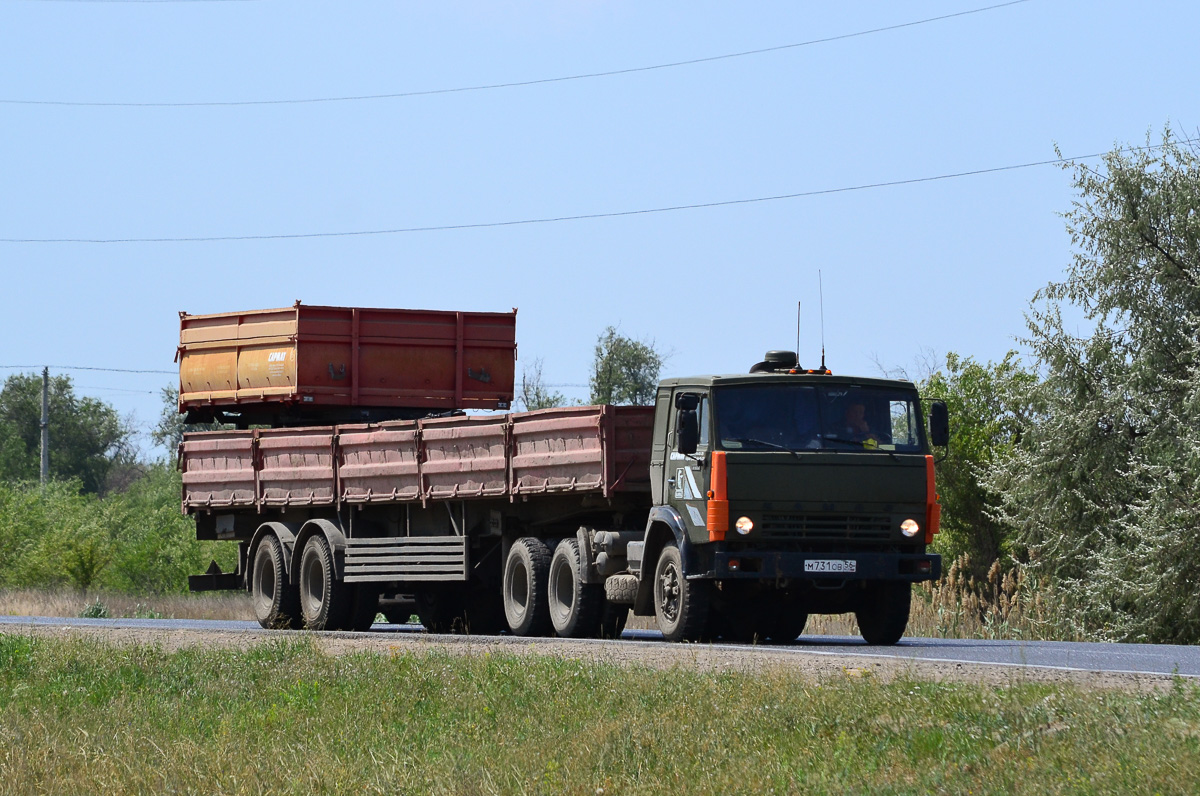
(782, 493)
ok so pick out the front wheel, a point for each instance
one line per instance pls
(883, 612)
(680, 605)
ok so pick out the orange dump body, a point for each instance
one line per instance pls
(316, 357)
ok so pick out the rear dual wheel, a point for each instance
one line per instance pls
(327, 603)
(524, 585)
(276, 601)
(576, 607)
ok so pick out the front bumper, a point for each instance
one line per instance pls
(766, 565)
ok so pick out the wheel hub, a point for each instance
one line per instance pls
(668, 585)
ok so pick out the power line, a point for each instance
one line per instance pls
(579, 217)
(512, 84)
(82, 367)
(148, 2)
(115, 389)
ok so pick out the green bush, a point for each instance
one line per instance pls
(136, 541)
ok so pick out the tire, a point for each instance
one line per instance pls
(680, 605)
(883, 612)
(276, 602)
(575, 606)
(787, 624)
(526, 572)
(325, 602)
(621, 589)
(734, 624)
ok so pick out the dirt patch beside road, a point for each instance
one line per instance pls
(655, 655)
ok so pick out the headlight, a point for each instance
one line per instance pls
(910, 527)
(744, 525)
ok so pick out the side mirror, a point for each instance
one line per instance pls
(686, 400)
(939, 424)
(687, 431)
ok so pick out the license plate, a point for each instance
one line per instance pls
(831, 565)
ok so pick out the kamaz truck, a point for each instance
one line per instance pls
(733, 508)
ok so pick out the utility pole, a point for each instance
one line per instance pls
(45, 426)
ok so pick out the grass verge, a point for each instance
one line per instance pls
(283, 717)
(65, 602)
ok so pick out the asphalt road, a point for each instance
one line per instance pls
(1064, 656)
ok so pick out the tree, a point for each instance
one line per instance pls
(534, 393)
(991, 407)
(625, 371)
(87, 437)
(169, 430)
(1105, 488)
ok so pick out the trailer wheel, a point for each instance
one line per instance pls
(276, 602)
(883, 613)
(324, 601)
(526, 572)
(575, 606)
(680, 605)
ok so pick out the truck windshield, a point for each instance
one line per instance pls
(809, 417)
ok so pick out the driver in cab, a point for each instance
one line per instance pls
(856, 427)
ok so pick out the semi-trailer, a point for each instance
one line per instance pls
(734, 507)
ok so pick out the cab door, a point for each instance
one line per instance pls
(686, 475)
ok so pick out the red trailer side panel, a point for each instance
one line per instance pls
(295, 466)
(218, 469)
(464, 457)
(601, 449)
(379, 463)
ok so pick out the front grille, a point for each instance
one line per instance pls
(826, 526)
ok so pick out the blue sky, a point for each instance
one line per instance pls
(938, 266)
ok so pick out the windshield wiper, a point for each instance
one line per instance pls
(762, 442)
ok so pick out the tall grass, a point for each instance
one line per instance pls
(41, 602)
(283, 717)
(1008, 604)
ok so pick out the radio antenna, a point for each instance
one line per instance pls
(821, 293)
(798, 329)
